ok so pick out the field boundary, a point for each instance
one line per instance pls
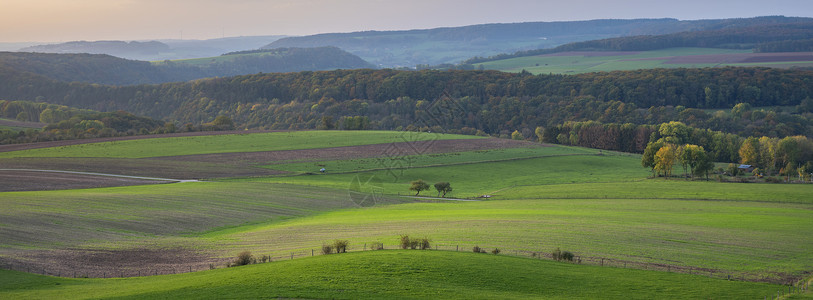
(103, 175)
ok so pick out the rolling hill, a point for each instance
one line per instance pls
(106, 69)
(154, 50)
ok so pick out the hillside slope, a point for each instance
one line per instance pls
(394, 274)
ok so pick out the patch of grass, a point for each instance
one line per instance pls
(394, 274)
(255, 142)
(668, 189)
(364, 164)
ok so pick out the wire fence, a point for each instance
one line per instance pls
(792, 285)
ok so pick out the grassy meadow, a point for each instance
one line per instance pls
(596, 205)
(561, 166)
(393, 275)
(575, 64)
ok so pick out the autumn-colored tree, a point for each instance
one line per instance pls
(664, 160)
(516, 135)
(750, 152)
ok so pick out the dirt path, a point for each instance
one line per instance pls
(16, 180)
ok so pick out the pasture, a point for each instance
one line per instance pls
(599, 205)
(394, 274)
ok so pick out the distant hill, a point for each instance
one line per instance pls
(157, 50)
(788, 37)
(106, 69)
(452, 45)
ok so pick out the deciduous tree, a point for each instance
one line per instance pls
(418, 186)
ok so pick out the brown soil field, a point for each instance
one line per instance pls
(16, 147)
(96, 263)
(41, 181)
(592, 53)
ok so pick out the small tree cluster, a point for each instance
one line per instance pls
(377, 246)
(443, 187)
(409, 243)
(340, 246)
(477, 249)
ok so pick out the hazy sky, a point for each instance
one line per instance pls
(69, 20)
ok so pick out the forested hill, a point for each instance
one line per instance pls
(453, 45)
(790, 37)
(492, 102)
(105, 69)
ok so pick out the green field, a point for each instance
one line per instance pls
(575, 64)
(393, 275)
(597, 205)
(429, 160)
(295, 140)
(568, 165)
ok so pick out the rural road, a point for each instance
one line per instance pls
(105, 175)
(438, 198)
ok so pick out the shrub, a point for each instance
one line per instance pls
(340, 246)
(327, 249)
(244, 258)
(567, 255)
(560, 255)
(405, 243)
(376, 246)
(495, 251)
(423, 244)
(265, 258)
(475, 249)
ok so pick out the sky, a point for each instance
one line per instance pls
(91, 20)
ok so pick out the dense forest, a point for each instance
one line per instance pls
(105, 69)
(763, 38)
(488, 101)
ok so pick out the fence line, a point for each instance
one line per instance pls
(793, 286)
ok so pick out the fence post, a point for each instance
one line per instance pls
(602, 262)
(292, 255)
(311, 252)
(457, 248)
(365, 247)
